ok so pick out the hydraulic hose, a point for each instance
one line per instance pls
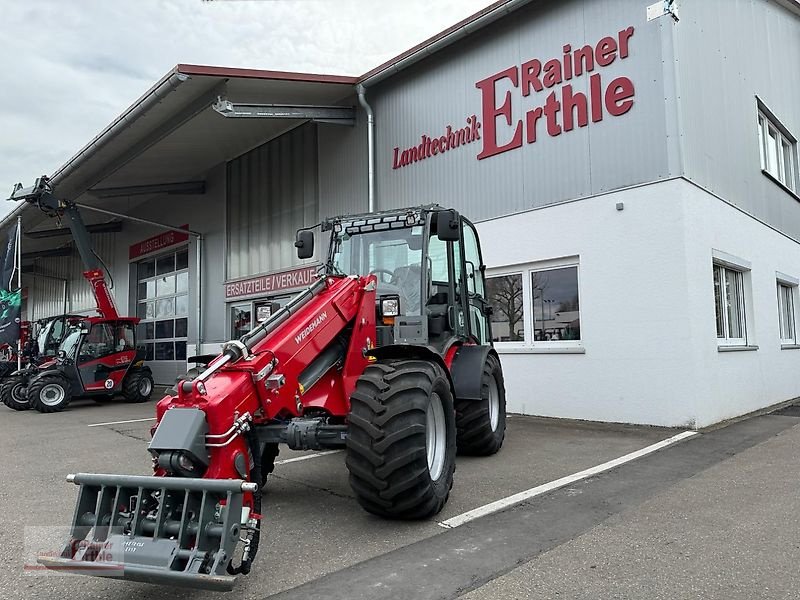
(255, 476)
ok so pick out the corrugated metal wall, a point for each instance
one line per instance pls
(343, 168)
(272, 191)
(729, 52)
(46, 295)
(615, 152)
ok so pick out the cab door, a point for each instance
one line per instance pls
(105, 354)
(478, 323)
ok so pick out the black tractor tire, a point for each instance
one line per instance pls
(481, 424)
(44, 394)
(138, 385)
(13, 392)
(396, 405)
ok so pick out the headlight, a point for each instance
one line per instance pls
(390, 306)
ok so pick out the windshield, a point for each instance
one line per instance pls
(393, 256)
(41, 340)
(70, 343)
(50, 336)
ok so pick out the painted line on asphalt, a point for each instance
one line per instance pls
(509, 501)
(121, 422)
(306, 457)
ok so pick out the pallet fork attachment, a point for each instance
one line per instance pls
(168, 530)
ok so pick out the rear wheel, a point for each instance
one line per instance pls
(401, 440)
(138, 385)
(481, 424)
(49, 394)
(13, 392)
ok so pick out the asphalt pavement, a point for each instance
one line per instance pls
(716, 498)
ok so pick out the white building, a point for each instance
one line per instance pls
(634, 179)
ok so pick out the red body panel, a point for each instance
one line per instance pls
(95, 373)
(103, 297)
(233, 390)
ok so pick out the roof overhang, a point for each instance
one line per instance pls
(172, 136)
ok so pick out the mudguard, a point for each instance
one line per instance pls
(467, 370)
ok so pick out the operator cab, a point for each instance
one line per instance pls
(427, 261)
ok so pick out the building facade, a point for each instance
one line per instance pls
(632, 171)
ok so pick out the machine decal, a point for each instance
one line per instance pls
(109, 384)
(311, 327)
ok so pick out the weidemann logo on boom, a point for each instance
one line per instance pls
(310, 327)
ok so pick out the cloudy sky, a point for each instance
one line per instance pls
(67, 68)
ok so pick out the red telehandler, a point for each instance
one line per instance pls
(97, 357)
(388, 354)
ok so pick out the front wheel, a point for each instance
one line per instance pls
(401, 442)
(13, 392)
(50, 394)
(138, 385)
(481, 424)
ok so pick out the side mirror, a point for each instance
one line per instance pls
(304, 242)
(447, 225)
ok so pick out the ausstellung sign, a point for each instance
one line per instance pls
(158, 242)
(271, 283)
(561, 111)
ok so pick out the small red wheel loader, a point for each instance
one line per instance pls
(388, 355)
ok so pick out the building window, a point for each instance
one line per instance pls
(556, 308)
(778, 150)
(730, 306)
(506, 298)
(786, 314)
(244, 314)
(536, 306)
(163, 305)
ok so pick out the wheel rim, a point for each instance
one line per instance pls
(494, 404)
(145, 387)
(436, 436)
(51, 395)
(18, 393)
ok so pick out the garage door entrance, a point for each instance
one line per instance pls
(162, 302)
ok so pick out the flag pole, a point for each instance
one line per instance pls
(19, 287)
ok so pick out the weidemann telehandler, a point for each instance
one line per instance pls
(97, 357)
(388, 354)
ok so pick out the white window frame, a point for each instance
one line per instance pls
(785, 171)
(787, 314)
(735, 271)
(526, 271)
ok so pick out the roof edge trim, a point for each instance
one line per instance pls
(151, 97)
(463, 28)
(204, 70)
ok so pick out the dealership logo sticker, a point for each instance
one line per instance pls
(562, 110)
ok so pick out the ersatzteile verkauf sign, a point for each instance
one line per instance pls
(271, 283)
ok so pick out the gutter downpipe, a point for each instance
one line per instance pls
(198, 259)
(370, 146)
